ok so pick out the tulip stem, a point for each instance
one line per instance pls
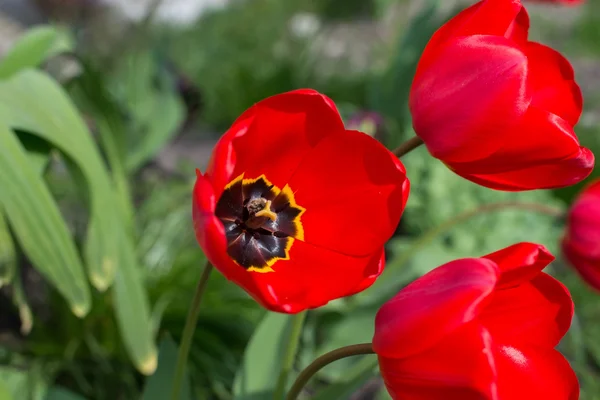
(188, 332)
(324, 360)
(407, 146)
(290, 354)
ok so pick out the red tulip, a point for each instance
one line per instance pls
(479, 329)
(294, 208)
(498, 109)
(581, 243)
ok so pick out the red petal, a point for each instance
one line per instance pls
(520, 262)
(354, 191)
(314, 276)
(549, 175)
(273, 136)
(433, 306)
(472, 94)
(588, 268)
(542, 153)
(537, 313)
(519, 29)
(459, 367)
(534, 373)
(583, 228)
(553, 81)
(491, 17)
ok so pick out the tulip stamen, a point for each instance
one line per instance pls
(261, 222)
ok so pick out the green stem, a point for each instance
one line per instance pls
(188, 332)
(407, 146)
(290, 354)
(324, 360)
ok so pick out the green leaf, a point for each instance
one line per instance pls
(35, 46)
(158, 386)
(4, 392)
(30, 385)
(20, 301)
(33, 102)
(59, 393)
(8, 256)
(38, 224)
(256, 378)
(133, 312)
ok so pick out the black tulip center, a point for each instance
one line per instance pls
(260, 222)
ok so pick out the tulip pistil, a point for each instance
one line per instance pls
(261, 222)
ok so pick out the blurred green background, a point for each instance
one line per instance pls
(106, 109)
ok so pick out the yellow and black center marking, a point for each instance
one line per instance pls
(261, 222)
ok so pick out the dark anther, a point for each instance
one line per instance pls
(280, 234)
(255, 205)
(238, 221)
(256, 235)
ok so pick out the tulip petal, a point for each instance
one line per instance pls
(583, 233)
(313, 276)
(433, 306)
(588, 268)
(272, 137)
(469, 97)
(350, 183)
(459, 367)
(553, 81)
(550, 175)
(534, 373)
(537, 312)
(519, 29)
(493, 17)
(520, 262)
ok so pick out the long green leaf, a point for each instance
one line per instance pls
(158, 386)
(35, 46)
(8, 257)
(33, 102)
(133, 312)
(257, 376)
(38, 224)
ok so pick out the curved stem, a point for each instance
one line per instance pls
(188, 332)
(290, 354)
(325, 359)
(407, 146)
(483, 209)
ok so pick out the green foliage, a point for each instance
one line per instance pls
(158, 386)
(36, 46)
(257, 376)
(38, 225)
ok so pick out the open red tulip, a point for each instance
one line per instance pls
(498, 109)
(581, 243)
(479, 329)
(296, 209)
